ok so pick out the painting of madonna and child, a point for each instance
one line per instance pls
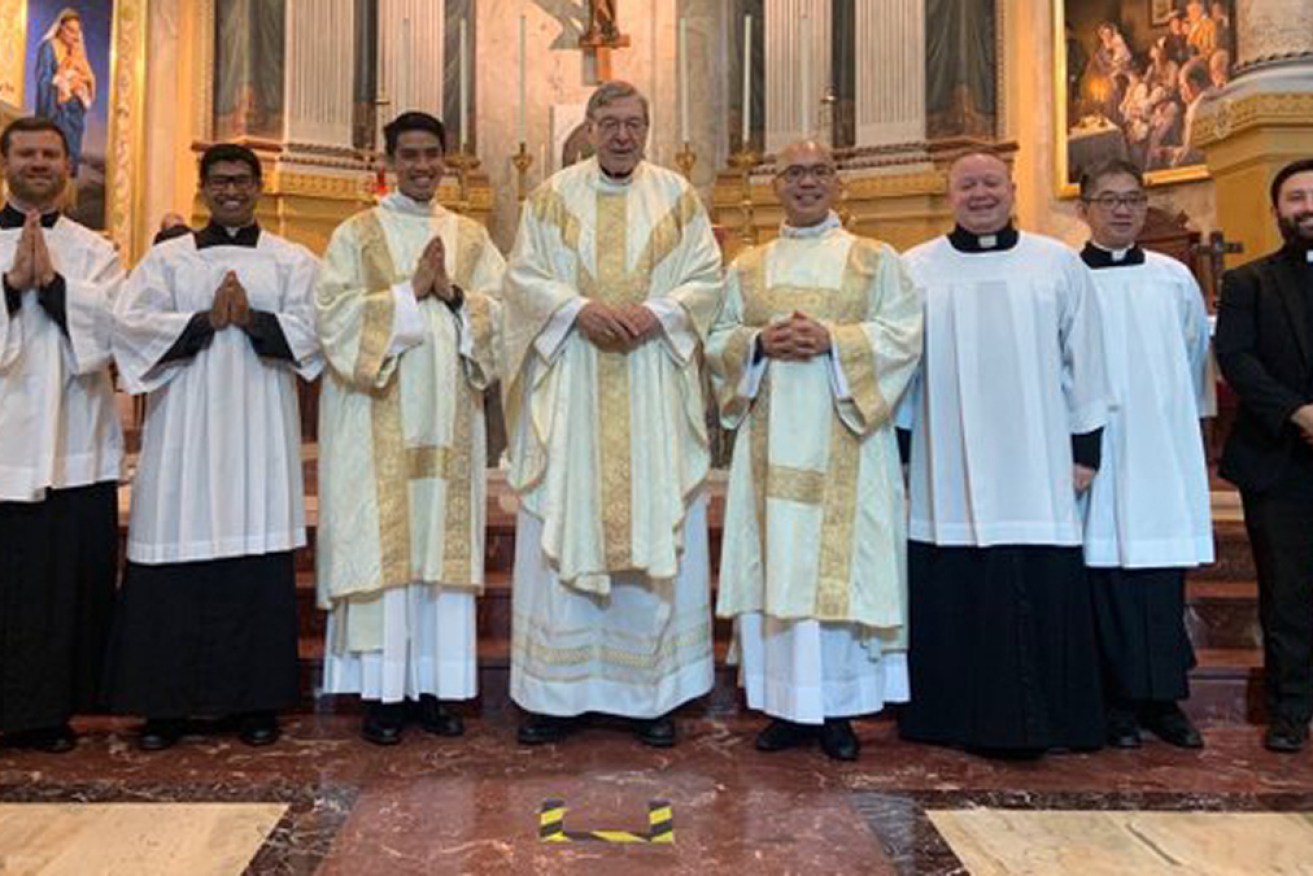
(1136, 72)
(67, 75)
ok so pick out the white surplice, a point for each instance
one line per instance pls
(220, 468)
(1149, 507)
(402, 452)
(814, 562)
(609, 451)
(1013, 368)
(58, 424)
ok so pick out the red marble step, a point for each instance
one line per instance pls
(1221, 614)
(1234, 559)
(1227, 686)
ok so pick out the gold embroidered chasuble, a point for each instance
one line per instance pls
(401, 426)
(815, 518)
(607, 449)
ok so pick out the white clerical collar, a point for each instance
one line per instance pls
(1117, 255)
(408, 205)
(809, 232)
(615, 183)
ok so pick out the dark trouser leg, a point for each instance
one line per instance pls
(1281, 534)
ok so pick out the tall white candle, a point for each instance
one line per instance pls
(805, 98)
(464, 84)
(405, 101)
(747, 81)
(683, 80)
(523, 125)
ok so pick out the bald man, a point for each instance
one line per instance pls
(818, 339)
(1007, 416)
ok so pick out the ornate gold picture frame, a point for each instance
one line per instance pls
(119, 97)
(1128, 77)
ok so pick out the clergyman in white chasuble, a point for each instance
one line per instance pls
(409, 320)
(820, 334)
(613, 283)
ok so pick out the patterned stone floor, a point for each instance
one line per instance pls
(324, 801)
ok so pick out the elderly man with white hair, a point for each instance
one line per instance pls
(612, 286)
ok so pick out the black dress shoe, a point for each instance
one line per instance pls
(780, 734)
(1123, 731)
(158, 734)
(50, 740)
(258, 729)
(538, 729)
(383, 722)
(1171, 725)
(1286, 736)
(656, 732)
(437, 718)
(838, 739)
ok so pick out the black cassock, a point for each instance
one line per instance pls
(58, 562)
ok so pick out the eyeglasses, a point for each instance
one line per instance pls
(220, 183)
(795, 173)
(612, 126)
(1109, 201)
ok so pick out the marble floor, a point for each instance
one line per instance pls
(324, 801)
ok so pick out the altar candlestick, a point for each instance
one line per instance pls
(683, 80)
(464, 84)
(522, 123)
(747, 80)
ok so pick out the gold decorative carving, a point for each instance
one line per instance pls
(13, 38)
(1228, 118)
(127, 118)
(342, 188)
(203, 121)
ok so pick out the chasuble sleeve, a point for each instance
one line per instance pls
(147, 325)
(698, 283)
(89, 298)
(534, 291)
(879, 356)
(355, 305)
(1080, 337)
(482, 282)
(730, 348)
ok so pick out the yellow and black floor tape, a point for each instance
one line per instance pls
(660, 827)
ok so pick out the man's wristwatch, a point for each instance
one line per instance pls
(457, 299)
